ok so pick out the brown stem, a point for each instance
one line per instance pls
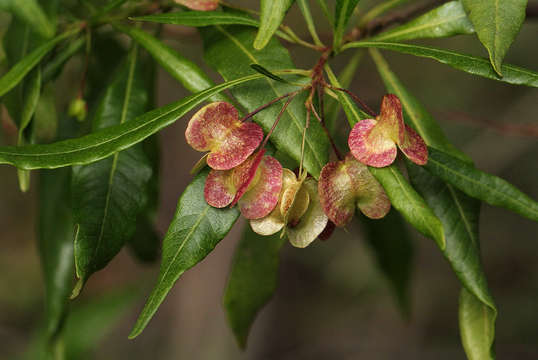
(333, 144)
(290, 98)
(254, 112)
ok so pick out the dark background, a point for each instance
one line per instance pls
(332, 301)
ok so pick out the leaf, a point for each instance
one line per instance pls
(410, 204)
(325, 9)
(460, 217)
(272, 13)
(447, 20)
(414, 113)
(185, 71)
(56, 230)
(402, 195)
(9, 80)
(497, 24)
(195, 230)
(200, 18)
(31, 13)
(471, 64)
(108, 195)
(229, 51)
(307, 15)
(342, 13)
(264, 71)
(103, 143)
(52, 68)
(32, 91)
(253, 280)
(393, 250)
(475, 183)
(477, 327)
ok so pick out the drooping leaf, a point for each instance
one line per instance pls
(447, 20)
(475, 183)
(252, 281)
(457, 212)
(109, 195)
(459, 215)
(272, 13)
(497, 24)
(201, 18)
(31, 13)
(56, 229)
(195, 230)
(230, 52)
(471, 64)
(185, 71)
(414, 113)
(9, 80)
(401, 194)
(103, 143)
(342, 13)
(477, 327)
(393, 250)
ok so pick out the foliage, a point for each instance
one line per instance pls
(101, 193)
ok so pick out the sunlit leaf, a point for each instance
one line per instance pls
(342, 13)
(272, 13)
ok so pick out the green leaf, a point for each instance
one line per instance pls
(264, 71)
(253, 280)
(185, 71)
(497, 24)
(272, 13)
(325, 9)
(460, 217)
(305, 10)
(23, 67)
(230, 52)
(393, 250)
(31, 13)
(108, 195)
(471, 64)
(447, 20)
(201, 18)
(194, 232)
(342, 13)
(56, 230)
(53, 67)
(401, 194)
(414, 113)
(103, 143)
(475, 183)
(410, 204)
(477, 327)
(380, 9)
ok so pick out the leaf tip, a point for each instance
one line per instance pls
(77, 289)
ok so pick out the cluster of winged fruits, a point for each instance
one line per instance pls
(277, 199)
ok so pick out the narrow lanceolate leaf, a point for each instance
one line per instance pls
(459, 214)
(447, 20)
(56, 230)
(272, 13)
(103, 143)
(108, 195)
(342, 13)
(23, 67)
(410, 204)
(253, 280)
(185, 71)
(393, 250)
(475, 183)
(401, 194)
(477, 327)
(31, 13)
(471, 64)
(230, 52)
(497, 24)
(201, 18)
(195, 230)
(414, 113)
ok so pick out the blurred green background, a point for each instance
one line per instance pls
(332, 301)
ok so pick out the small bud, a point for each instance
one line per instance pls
(78, 108)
